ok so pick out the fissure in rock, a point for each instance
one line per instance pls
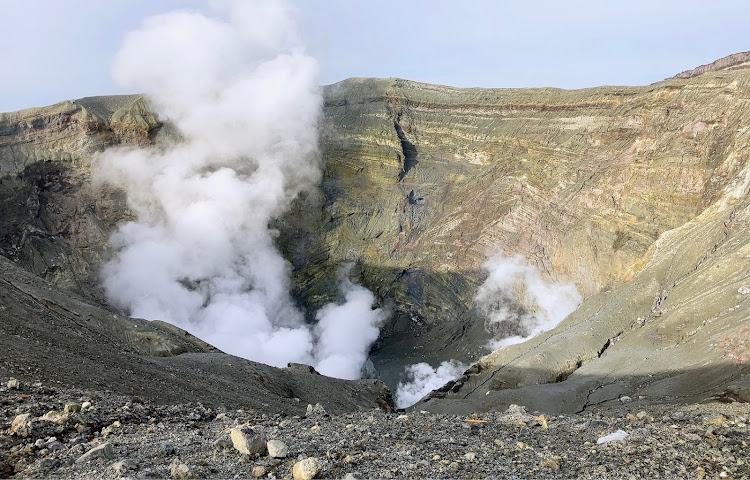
(408, 150)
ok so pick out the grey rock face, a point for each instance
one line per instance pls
(103, 451)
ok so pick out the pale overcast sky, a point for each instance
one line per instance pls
(54, 50)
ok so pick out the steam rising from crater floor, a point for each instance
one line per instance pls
(245, 97)
(517, 303)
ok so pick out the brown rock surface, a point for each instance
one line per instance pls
(736, 60)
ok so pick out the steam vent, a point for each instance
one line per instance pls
(534, 253)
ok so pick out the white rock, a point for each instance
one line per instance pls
(317, 409)
(180, 470)
(277, 449)
(617, 436)
(248, 441)
(625, 399)
(259, 471)
(306, 469)
(54, 416)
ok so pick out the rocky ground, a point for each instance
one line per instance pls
(54, 432)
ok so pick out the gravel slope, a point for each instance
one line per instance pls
(140, 439)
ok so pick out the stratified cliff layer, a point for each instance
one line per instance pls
(632, 193)
(424, 182)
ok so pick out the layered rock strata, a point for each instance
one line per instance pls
(625, 191)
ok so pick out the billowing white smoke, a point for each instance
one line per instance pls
(420, 379)
(519, 303)
(346, 331)
(201, 254)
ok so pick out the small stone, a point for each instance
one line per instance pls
(470, 456)
(617, 436)
(306, 469)
(222, 442)
(259, 471)
(168, 448)
(103, 451)
(72, 407)
(179, 470)
(54, 446)
(717, 419)
(124, 466)
(550, 463)
(40, 443)
(54, 416)
(403, 417)
(277, 449)
(248, 441)
(85, 406)
(542, 420)
(625, 399)
(14, 384)
(21, 425)
(315, 410)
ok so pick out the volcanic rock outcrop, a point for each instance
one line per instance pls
(637, 195)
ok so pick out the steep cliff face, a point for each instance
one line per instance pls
(424, 182)
(632, 193)
(52, 221)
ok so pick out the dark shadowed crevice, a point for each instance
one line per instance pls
(408, 150)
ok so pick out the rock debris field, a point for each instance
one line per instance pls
(52, 432)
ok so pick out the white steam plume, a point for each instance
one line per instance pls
(200, 254)
(518, 303)
(346, 331)
(420, 379)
